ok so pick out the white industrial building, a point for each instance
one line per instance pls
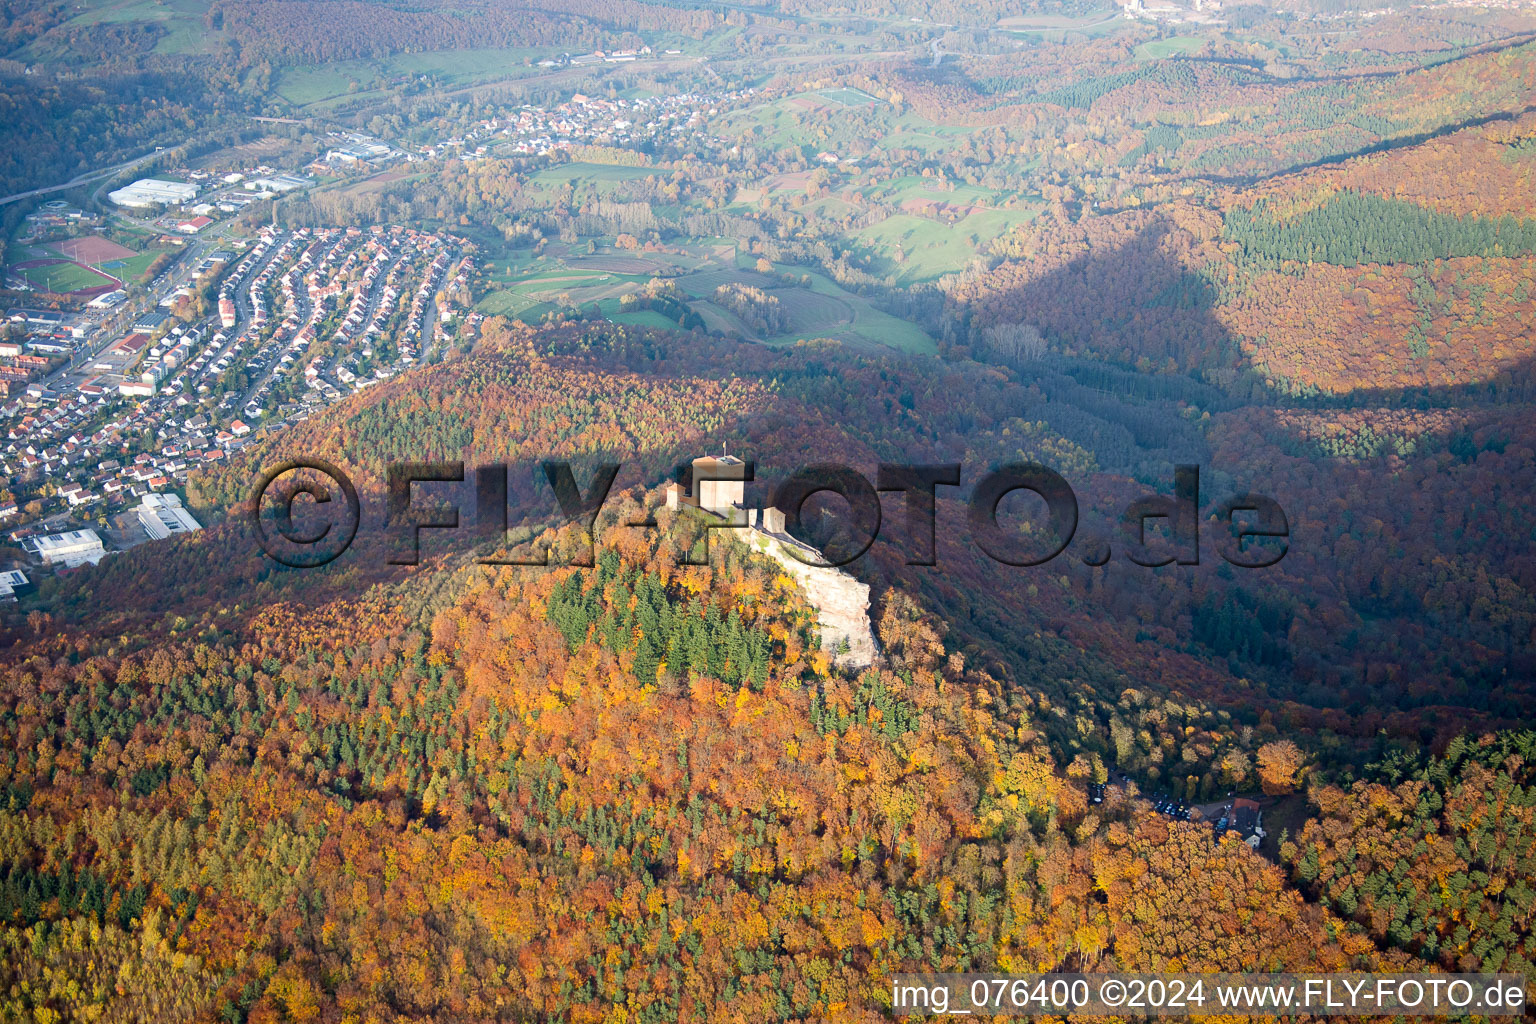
(68, 549)
(12, 580)
(281, 183)
(359, 149)
(162, 515)
(152, 191)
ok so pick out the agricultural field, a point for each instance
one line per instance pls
(529, 288)
(913, 131)
(811, 119)
(526, 287)
(803, 119)
(865, 325)
(1173, 46)
(305, 87)
(921, 249)
(321, 85)
(645, 318)
(181, 20)
(601, 178)
(934, 197)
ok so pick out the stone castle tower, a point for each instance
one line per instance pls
(840, 600)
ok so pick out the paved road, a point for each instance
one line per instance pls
(109, 328)
(302, 308)
(83, 179)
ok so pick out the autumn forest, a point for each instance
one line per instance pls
(1289, 243)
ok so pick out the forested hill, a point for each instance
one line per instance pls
(476, 793)
(550, 794)
(289, 31)
(1101, 658)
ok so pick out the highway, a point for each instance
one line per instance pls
(83, 179)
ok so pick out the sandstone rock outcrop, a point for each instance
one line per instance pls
(841, 602)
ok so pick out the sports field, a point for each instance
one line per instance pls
(63, 277)
(92, 249)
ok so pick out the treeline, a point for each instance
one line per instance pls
(1351, 228)
(56, 128)
(667, 299)
(289, 31)
(109, 41)
(758, 310)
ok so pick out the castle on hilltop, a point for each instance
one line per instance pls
(841, 602)
(711, 492)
